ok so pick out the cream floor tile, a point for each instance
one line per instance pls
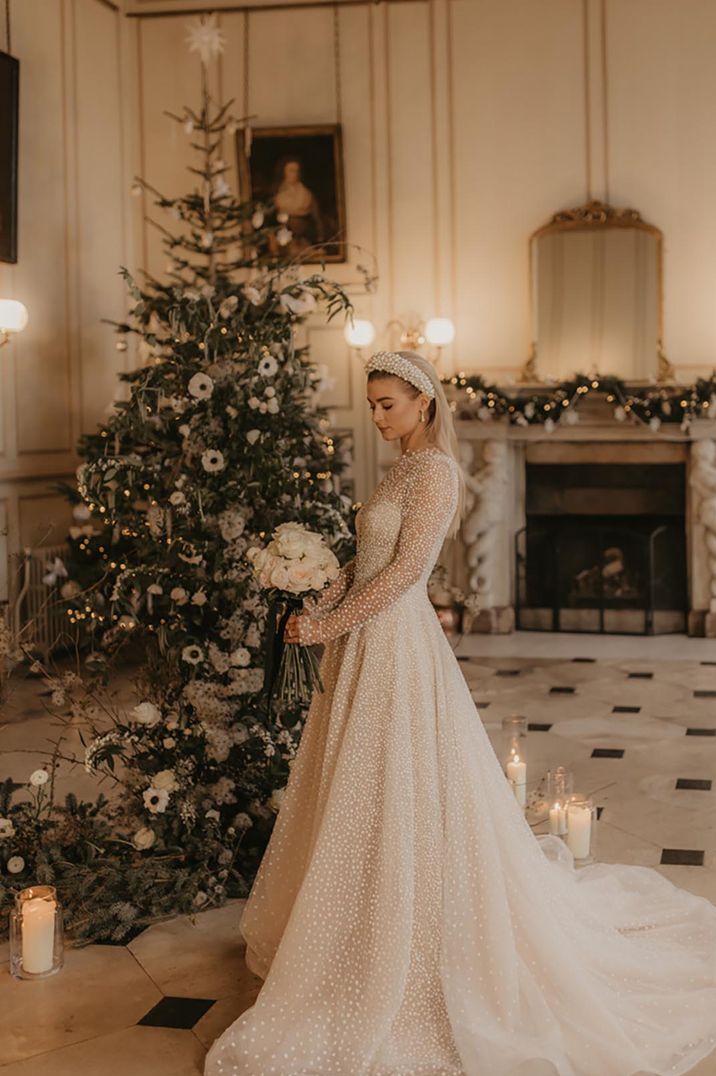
(99, 990)
(613, 727)
(224, 1013)
(136, 1051)
(561, 646)
(642, 693)
(204, 958)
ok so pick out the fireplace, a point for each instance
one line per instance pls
(603, 548)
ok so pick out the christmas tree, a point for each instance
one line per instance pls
(219, 440)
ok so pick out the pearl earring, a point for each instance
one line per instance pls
(422, 416)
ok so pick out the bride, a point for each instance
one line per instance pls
(405, 919)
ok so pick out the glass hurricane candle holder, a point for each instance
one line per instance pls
(581, 820)
(36, 933)
(560, 784)
(514, 733)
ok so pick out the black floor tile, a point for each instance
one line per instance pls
(640, 676)
(584, 659)
(687, 857)
(705, 694)
(698, 783)
(176, 1012)
(626, 709)
(562, 690)
(701, 732)
(608, 752)
(507, 672)
(534, 726)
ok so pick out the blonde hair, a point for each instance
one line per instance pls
(439, 426)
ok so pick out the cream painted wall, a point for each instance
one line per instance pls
(57, 377)
(467, 123)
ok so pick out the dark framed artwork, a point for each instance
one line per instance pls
(9, 98)
(300, 169)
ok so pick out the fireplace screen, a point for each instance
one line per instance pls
(621, 572)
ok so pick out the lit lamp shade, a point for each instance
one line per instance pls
(361, 333)
(13, 316)
(440, 332)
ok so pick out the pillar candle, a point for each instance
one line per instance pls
(558, 820)
(38, 935)
(517, 774)
(579, 830)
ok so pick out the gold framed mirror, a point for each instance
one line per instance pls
(596, 296)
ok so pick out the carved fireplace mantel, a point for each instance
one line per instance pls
(495, 454)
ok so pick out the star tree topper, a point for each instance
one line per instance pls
(206, 38)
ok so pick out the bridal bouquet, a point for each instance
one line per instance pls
(296, 563)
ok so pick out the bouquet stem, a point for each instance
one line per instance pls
(292, 670)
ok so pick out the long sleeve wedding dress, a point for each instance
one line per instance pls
(406, 920)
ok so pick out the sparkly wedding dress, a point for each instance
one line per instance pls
(406, 920)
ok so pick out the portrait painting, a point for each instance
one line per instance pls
(300, 170)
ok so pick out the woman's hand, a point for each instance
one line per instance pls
(291, 633)
(302, 630)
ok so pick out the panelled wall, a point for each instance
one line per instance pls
(466, 124)
(58, 376)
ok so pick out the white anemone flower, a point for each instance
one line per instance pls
(156, 800)
(201, 386)
(212, 459)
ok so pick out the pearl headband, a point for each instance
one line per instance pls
(391, 362)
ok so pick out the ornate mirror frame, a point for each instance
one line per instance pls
(596, 215)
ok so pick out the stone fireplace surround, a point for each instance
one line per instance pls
(494, 455)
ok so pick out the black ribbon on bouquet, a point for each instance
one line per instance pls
(275, 643)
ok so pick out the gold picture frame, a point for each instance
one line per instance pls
(300, 170)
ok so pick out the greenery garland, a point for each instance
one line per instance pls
(475, 398)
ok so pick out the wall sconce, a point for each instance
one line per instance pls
(439, 332)
(13, 318)
(359, 333)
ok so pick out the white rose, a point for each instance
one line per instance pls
(15, 864)
(144, 838)
(147, 714)
(278, 577)
(39, 777)
(168, 743)
(178, 595)
(272, 406)
(199, 598)
(7, 830)
(301, 577)
(70, 589)
(165, 779)
(177, 497)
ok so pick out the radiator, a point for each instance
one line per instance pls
(39, 619)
